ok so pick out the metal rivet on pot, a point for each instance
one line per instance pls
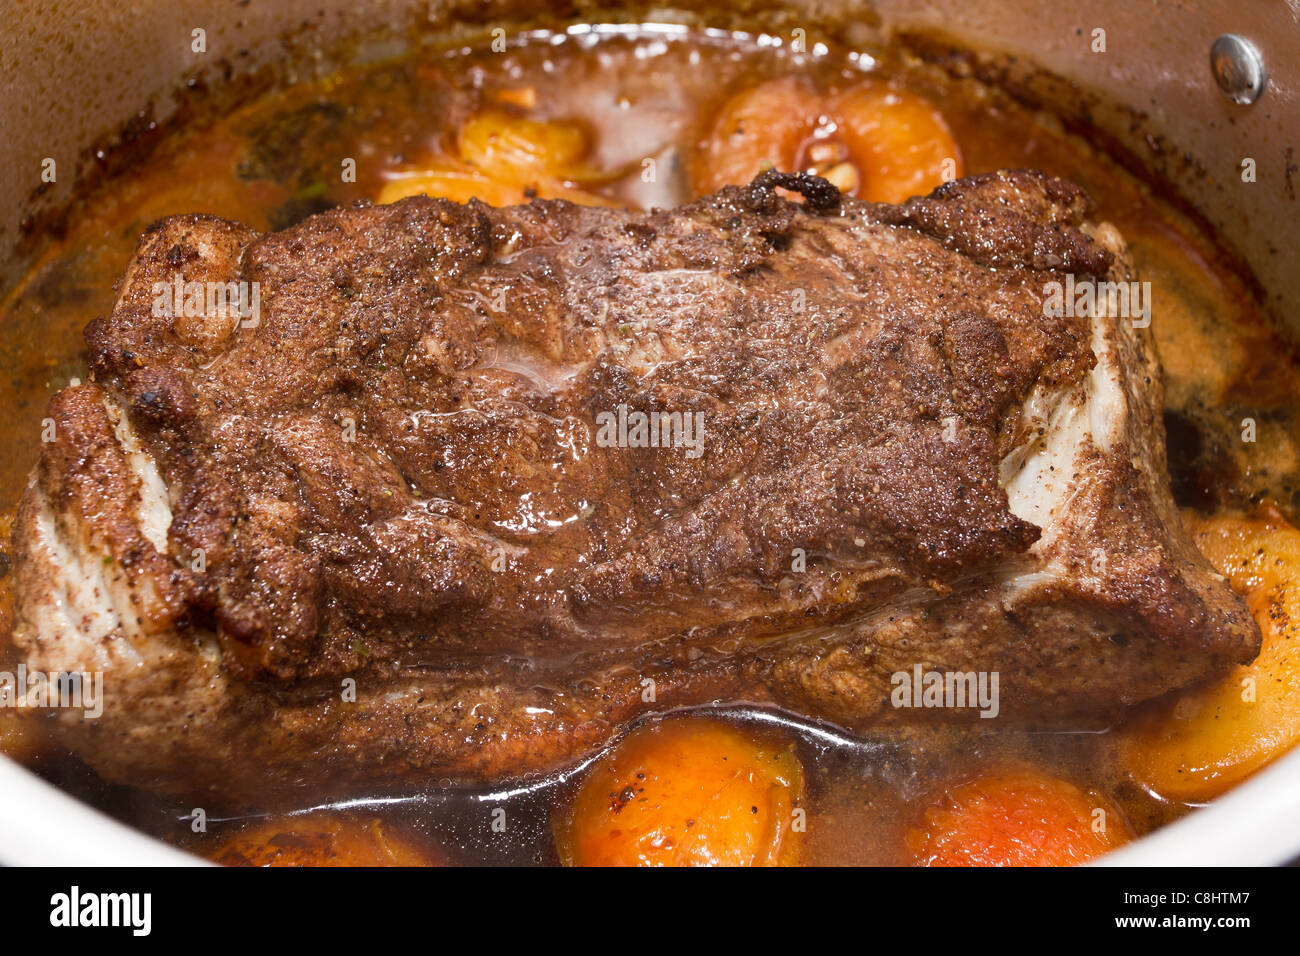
(1238, 68)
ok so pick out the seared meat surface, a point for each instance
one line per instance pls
(382, 528)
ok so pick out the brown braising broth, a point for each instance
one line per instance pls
(643, 94)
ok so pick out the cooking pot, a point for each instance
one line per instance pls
(87, 83)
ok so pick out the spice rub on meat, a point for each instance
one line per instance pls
(390, 472)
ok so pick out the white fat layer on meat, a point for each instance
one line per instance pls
(153, 512)
(1040, 476)
(86, 596)
(90, 597)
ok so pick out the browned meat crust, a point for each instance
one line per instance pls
(393, 476)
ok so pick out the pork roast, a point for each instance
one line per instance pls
(468, 488)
